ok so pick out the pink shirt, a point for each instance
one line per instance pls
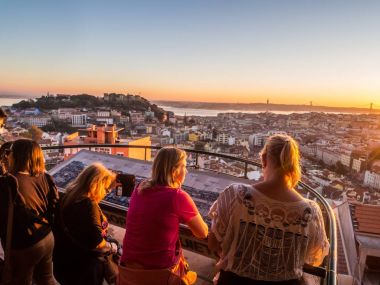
(152, 225)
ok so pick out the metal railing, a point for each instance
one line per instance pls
(328, 272)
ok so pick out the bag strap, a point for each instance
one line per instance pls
(6, 278)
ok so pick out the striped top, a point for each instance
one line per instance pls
(266, 239)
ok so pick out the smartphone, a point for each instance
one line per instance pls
(126, 184)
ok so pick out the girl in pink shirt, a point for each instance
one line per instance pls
(157, 207)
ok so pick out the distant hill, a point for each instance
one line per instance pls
(261, 107)
(120, 102)
(14, 96)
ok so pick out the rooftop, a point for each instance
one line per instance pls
(366, 218)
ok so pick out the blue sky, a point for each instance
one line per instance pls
(246, 51)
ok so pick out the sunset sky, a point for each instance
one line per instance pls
(291, 52)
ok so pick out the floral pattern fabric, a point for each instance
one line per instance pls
(266, 239)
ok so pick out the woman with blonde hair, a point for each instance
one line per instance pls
(157, 207)
(34, 197)
(265, 233)
(81, 228)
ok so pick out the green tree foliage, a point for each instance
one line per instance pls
(199, 145)
(59, 126)
(340, 168)
(129, 103)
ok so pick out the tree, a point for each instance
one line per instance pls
(340, 168)
(35, 133)
(199, 145)
(214, 133)
(59, 126)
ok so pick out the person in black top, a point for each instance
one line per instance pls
(4, 153)
(81, 228)
(35, 197)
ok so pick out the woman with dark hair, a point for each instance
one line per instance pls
(4, 153)
(265, 233)
(157, 207)
(81, 229)
(35, 197)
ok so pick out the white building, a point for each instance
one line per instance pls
(79, 120)
(105, 120)
(358, 164)
(308, 150)
(39, 121)
(137, 118)
(345, 159)
(103, 113)
(231, 140)
(224, 138)
(327, 156)
(65, 113)
(372, 179)
(257, 139)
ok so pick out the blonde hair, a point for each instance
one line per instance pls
(27, 156)
(165, 164)
(92, 182)
(284, 152)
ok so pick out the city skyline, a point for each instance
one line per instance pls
(246, 51)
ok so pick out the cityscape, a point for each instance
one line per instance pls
(340, 154)
(115, 81)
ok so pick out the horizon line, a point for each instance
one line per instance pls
(19, 96)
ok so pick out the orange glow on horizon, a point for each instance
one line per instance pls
(277, 95)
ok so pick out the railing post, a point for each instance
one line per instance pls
(145, 153)
(196, 161)
(245, 170)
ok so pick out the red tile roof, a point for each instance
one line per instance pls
(366, 218)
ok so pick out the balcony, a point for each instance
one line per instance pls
(202, 183)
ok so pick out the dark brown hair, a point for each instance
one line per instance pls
(4, 152)
(27, 156)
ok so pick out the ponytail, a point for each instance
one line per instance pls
(290, 162)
